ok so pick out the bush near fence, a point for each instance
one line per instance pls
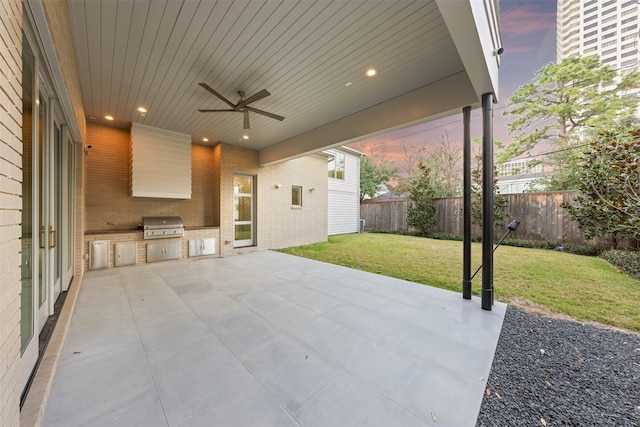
(540, 214)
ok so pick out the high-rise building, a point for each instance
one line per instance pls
(607, 28)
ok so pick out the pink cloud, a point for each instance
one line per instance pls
(525, 20)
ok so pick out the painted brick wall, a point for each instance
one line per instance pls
(10, 206)
(278, 225)
(107, 186)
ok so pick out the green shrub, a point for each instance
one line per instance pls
(574, 248)
(627, 261)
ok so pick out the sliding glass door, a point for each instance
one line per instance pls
(47, 205)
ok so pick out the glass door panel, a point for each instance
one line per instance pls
(243, 210)
(43, 169)
(29, 229)
(27, 327)
(55, 211)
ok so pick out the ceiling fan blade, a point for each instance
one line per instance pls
(246, 119)
(253, 98)
(214, 111)
(210, 89)
(265, 113)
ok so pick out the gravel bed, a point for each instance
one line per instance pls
(556, 372)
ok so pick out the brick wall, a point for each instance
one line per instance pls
(10, 206)
(277, 224)
(107, 186)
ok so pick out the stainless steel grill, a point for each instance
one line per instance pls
(162, 227)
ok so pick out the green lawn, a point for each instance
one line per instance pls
(586, 288)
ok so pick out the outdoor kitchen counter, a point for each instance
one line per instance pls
(139, 230)
(132, 230)
(135, 235)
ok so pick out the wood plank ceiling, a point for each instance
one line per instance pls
(153, 53)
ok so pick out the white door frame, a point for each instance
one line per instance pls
(244, 242)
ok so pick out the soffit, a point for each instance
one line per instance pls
(154, 53)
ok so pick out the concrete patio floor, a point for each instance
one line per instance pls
(268, 339)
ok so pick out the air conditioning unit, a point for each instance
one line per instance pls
(361, 225)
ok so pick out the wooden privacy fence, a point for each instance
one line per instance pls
(540, 214)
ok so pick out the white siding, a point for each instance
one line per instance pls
(344, 198)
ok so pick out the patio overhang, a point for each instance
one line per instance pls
(432, 57)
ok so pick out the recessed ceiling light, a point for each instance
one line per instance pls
(371, 72)
(347, 84)
(205, 139)
(245, 137)
(142, 109)
(109, 117)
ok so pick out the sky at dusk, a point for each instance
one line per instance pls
(528, 30)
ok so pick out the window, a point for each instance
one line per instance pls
(609, 52)
(336, 166)
(628, 54)
(589, 34)
(608, 36)
(296, 196)
(609, 27)
(591, 49)
(629, 28)
(626, 21)
(607, 60)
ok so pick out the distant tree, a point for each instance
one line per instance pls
(499, 201)
(411, 157)
(372, 175)
(444, 162)
(422, 210)
(564, 103)
(609, 185)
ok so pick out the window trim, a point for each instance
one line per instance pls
(294, 189)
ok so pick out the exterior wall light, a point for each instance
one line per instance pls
(278, 185)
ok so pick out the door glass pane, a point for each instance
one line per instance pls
(57, 199)
(26, 267)
(243, 210)
(69, 202)
(242, 232)
(242, 185)
(42, 120)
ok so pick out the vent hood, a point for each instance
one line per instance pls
(160, 163)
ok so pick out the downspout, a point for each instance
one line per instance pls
(466, 203)
(487, 201)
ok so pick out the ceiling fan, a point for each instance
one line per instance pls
(242, 105)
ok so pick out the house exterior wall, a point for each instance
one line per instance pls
(344, 198)
(108, 193)
(277, 223)
(10, 208)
